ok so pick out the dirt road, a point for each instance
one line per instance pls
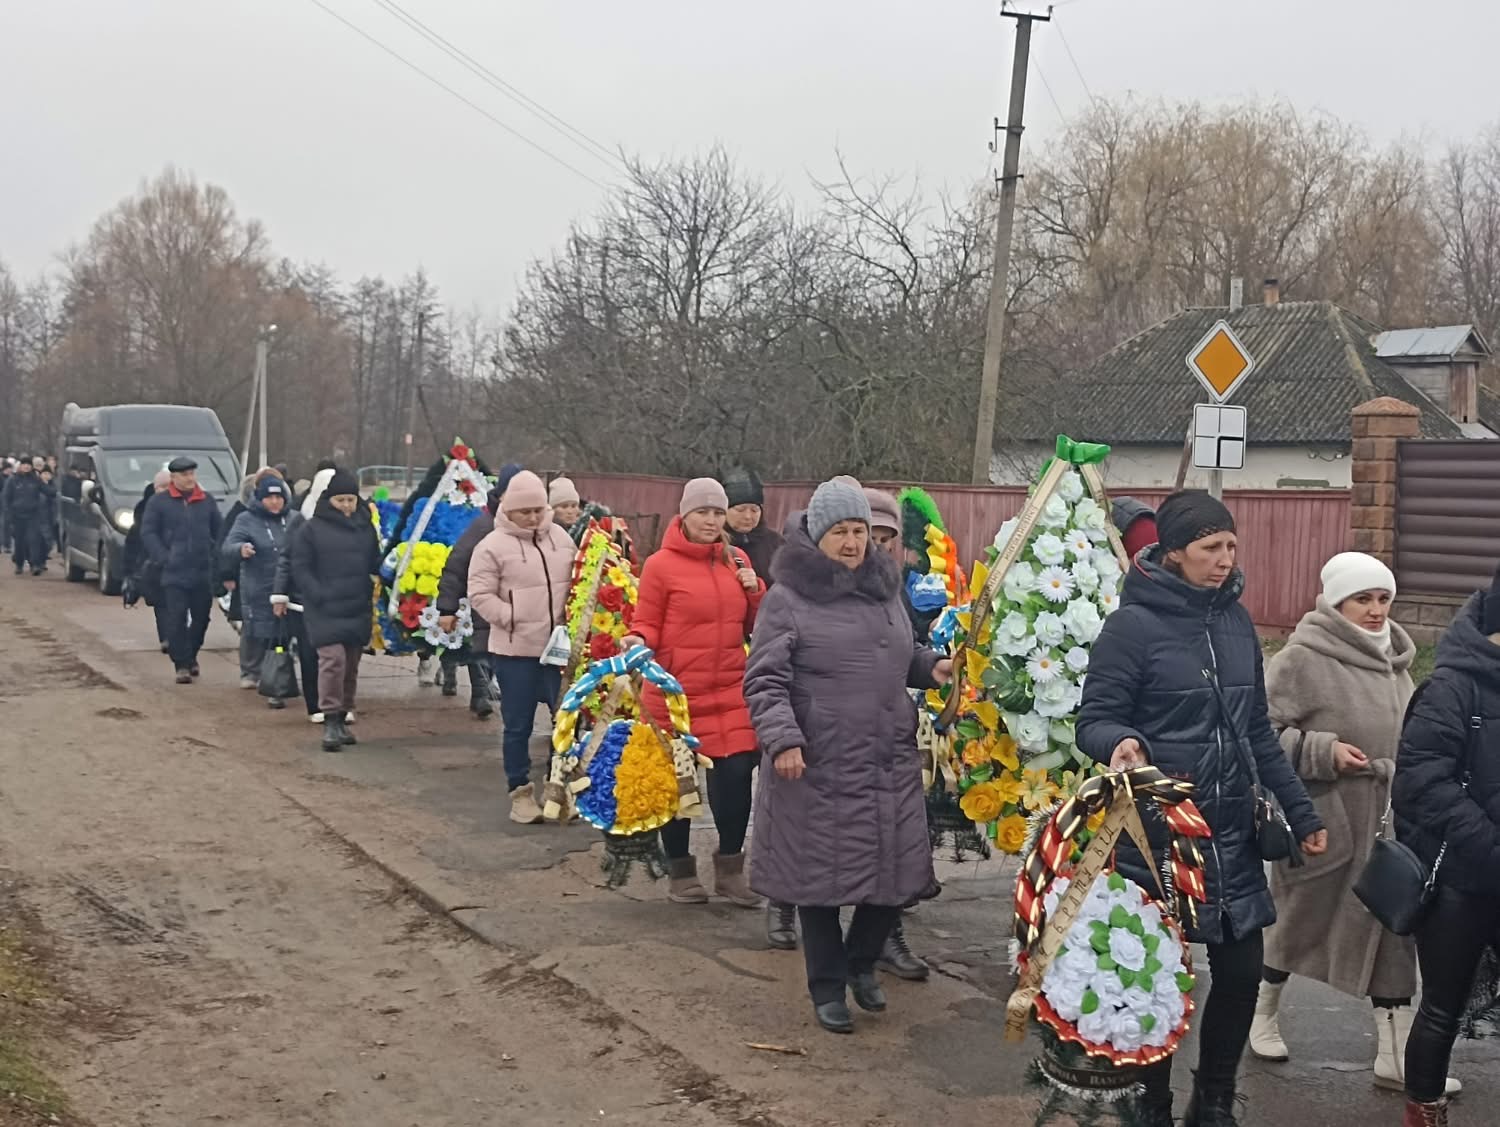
(248, 931)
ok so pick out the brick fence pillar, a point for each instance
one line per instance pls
(1378, 426)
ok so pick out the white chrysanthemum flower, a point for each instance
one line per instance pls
(1078, 544)
(1050, 630)
(1055, 513)
(1071, 487)
(1020, 581)
(1077, 659)
(1007, 530)
(1049, 549)
(1055, 584)
(1043, 667)
(1083, 621)
(1109, 602)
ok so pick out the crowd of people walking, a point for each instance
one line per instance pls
(799, 650)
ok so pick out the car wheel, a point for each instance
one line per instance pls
(75, 574)
(109, 581)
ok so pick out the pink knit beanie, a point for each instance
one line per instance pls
(525, 491)
(702, 493)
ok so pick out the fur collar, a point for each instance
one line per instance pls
(803, 567)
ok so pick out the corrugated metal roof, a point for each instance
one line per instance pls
(1314, 364)
(1436, 340)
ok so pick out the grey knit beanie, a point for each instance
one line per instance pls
(840, 499)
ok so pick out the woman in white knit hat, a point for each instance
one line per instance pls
(1337, 694)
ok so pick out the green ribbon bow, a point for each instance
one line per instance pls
(1081, 453)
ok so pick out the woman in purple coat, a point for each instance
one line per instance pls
(839, 818)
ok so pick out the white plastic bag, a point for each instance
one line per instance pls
(559, 648)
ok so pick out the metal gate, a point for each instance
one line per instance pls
(1447, 515)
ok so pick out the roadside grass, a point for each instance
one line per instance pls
(27, 1092)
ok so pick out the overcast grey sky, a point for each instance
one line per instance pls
(351, 159)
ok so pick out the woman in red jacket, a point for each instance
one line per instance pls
(696, 607)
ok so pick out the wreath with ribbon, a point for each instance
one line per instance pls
(625, 776)
(1104, 966)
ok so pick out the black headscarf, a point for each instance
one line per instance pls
(1190, 515)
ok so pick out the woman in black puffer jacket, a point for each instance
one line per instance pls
(1149, 698)
(1453, 730)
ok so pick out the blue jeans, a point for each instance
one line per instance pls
(524, 683)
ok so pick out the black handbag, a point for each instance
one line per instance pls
(1273, 833)
(278, 672)
(1395, 885)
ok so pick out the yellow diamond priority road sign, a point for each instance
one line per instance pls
(1220, 362)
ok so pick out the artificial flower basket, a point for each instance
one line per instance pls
(601, 608)
(1021, 654)
(1105, 968)
(627, 777)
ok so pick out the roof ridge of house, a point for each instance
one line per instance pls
(1338, 319)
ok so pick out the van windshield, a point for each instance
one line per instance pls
(129, 471)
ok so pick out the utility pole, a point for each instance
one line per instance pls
(411, 403)
(257, 401)
(994, 336)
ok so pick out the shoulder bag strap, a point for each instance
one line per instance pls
(1241, 745)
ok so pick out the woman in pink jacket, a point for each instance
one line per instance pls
(518, 583)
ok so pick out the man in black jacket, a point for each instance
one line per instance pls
(27, 502)
(453, 586)
(181, 531)
(145, 582)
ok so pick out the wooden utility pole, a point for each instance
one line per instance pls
(411, 402)
(994, 336)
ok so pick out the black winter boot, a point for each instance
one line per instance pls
(450, 679)
(333, 725)
(1212, 1105)
(480, 703)
(346, 737)
(896, 957)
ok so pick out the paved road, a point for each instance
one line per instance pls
(422, 797)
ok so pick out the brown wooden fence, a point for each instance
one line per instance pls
(1447, 515)
(1285, 537)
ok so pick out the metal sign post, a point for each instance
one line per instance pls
(1221, 364)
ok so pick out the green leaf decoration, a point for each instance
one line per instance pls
(1185, 982)
(1153, 965)
(1116, 882)
(1136, 928)
(1099, 941)
(982, 774)
(1119, 917)
(1152, 943)
(970, 729)
(1148, 1023)
(1146, 982)
(922, 501)
(1107, 962)
(1127, 977)
(1090, 1002)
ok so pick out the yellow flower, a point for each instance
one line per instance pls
(1038, 790)
(1096, 820)
(981, 803)
(1009, 788)
(987, 713)
(1005, 752)
(1010, 834)
(978, 577)
(974, 666)
(427, 585)
(603, 622)
(408, 581)
(977, 753)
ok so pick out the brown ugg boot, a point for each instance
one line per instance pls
(1425, 1115)
(683, 885)
(730, 881)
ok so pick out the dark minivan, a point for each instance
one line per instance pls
(110, 455)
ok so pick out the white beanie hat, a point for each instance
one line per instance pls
(562, 491)
(1349, 573)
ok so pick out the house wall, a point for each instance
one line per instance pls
(1266, 467)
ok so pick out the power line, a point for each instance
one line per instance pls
(475, 106)
(1050, 95)
(571, 132)
(1076, 68)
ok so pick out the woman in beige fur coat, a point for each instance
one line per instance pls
(1337, 694)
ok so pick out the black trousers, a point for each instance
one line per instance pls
(833, 957)
(27, 538)
(307, 660)
(731, 793)
(1450, 944)
(163, 621)
(187, 619)
(1225, 1028)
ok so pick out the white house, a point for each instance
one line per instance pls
(1314, 363)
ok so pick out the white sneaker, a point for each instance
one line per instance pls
(425, 670)
(523, 807)
(349, 717)
(249, 683)
(315, 718)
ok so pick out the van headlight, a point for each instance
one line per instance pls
(124, 519)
